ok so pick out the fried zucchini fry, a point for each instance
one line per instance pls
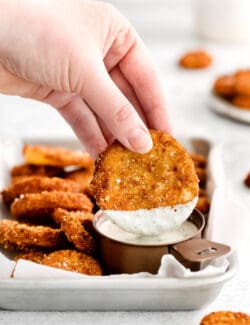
(125, 180)
(242, 83)
(37, 205)
(31, 170)
(247, 180)
(224, 86)
(203, 204)
(195, 60)
(22, 235)
(74, 261)
(202, 192)
(33, 256)
(199, 160)
(37, 184)
(202, 175)
(85, 218)
(55, 156)
(74, 229)
(226, 318)
(241, 101)
(83, 177)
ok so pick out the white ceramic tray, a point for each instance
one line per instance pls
(116, 293)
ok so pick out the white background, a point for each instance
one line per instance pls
(166, 27)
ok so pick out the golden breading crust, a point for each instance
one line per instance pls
(86, 218)
(226, 318)
(241, 102)
(195, 60)
(42, 204)
(247, 180)
(55, 156)
(202, 192)
(74, 230)
(202, 175)
(73, 261)
(83, 177)
(37, 184)
(242, 83)
(199, 160)
(33, 256)
(125, 180)
(22, 235)
(225, 86)
(31, 170)
(203, 204)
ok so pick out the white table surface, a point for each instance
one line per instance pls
(166, 27)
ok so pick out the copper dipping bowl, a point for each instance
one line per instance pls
(122, 257)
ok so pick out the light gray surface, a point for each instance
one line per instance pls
(165, 25)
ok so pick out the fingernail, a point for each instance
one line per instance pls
(140, 140)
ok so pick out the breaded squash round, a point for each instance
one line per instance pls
(74, 229)
(32, 255)
(241, 102)
(165, 176)
(31, 170)
(37, 184)
(242, 85)
(36, 205)
(23, 235)
(55, 156)
(226, 318)
(225, 86)
(74, 261)
(195, 60)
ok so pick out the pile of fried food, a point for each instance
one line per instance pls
(51, 210)
(234, 88)
(200, 164)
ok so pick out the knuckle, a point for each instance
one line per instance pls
(123, 113)
(124, 39)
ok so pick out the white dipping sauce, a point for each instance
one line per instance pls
(150, 222)
(109, 229)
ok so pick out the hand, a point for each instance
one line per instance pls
(86, 60)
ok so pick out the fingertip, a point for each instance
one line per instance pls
(140, 140)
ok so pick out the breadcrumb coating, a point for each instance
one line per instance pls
(226, 318)
(22, 235)
(165, 176)
(33, 256)
(195, 60)
(247, 180)
(37, 184)
(34, 205)
(241, 101)
(73, 261)
(199, 160)
(83, 177)
(225, 86)
(55, 156)
(202, 175)
(31, 170)
(74, 229)
(203, 204)
(242, 83)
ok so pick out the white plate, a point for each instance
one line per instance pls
(114, 293)
(223, 107)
